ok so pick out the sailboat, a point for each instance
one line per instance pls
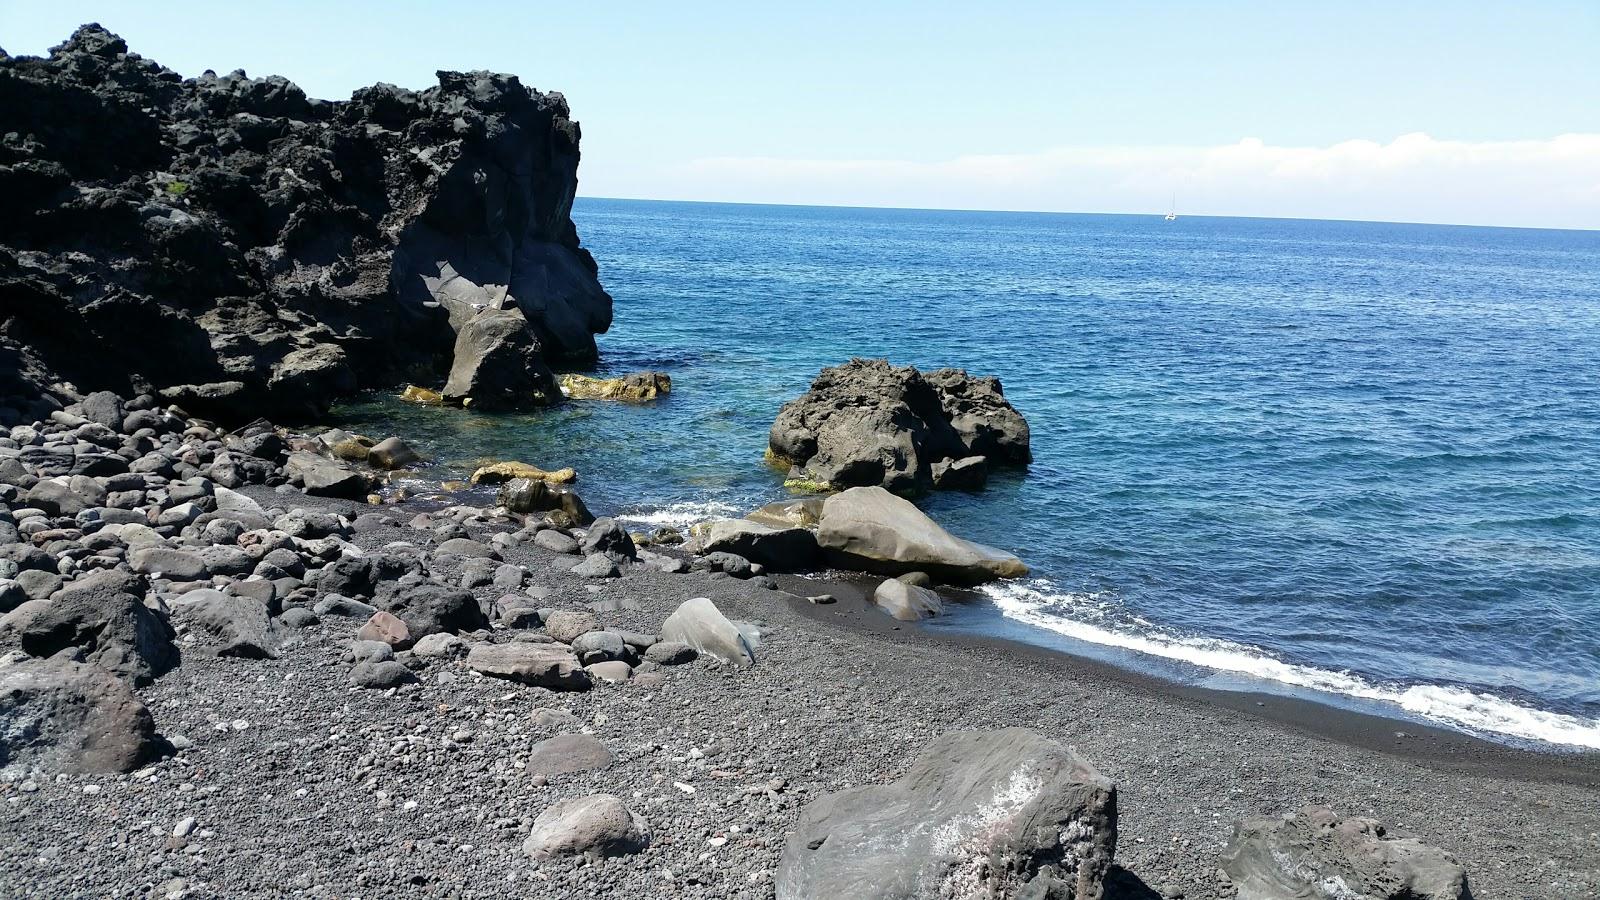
(1173, 209)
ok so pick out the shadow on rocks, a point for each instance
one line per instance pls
(1124, 885)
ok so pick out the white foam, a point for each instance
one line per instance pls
(1085, 617)
(682, 515)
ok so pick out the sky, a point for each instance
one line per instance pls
(1458, 112)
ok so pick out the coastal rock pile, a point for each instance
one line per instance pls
(870, 423)
(233, 245)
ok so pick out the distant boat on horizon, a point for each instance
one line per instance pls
(1172, 210)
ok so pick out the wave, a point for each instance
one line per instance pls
(1087, 617)
(682, 515)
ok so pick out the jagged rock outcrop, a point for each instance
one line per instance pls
(242, 249)
(870, 423)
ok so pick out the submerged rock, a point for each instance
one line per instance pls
(870, 529)
(501, 472)
(870, 423)
(635, 388)
(1315, 854)
(1003, 814)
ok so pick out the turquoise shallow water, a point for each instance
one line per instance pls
(1353, 457)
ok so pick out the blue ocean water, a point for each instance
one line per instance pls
(1353, 457)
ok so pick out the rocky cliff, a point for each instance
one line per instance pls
(245, 250)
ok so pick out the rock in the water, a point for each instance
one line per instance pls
(790, 549)
(598, 825)
(567, 753)
(870, 529)
(906, 602)
(1315, 854)
(596, 566)
(529, 495)
(543, 665)
(994, 814)
(324, 477)
(967, 474)
(392, 453)
(635, 388)
(501, 472)
(498, 364)
(699, 624)
(869, 423)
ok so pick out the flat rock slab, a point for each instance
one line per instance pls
(543, 665)
(870, 529)
(1002, 814)
(1315, 854)
(567, 753)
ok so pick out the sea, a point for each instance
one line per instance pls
(1356, 462)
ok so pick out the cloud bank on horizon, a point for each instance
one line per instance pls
(1551, 183)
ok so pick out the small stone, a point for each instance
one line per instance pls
(184, 827)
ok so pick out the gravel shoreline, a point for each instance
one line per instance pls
(299, 784)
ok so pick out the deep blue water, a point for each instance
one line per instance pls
(1351, 456)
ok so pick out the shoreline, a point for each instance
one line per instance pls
(1438, 746)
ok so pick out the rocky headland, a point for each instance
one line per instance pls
(233, 662)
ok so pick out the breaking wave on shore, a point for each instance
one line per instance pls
(1092, 618)
(681, 515)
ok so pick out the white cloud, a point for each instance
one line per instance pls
(1413, 178)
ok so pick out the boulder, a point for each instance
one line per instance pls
(112, 629)
(392, 453)
(598, 825)
(869, 423)
(596, 566)
(967, 474)
(556, 541)
(567, 625)
(531, 495)
(699, 624)
(236, 626)
(1002, 814)
(323, 477)
(1316, 854)
(429, 608)
(607, 537)
(670, 653)
(786, 549)
(870, 529)
(637, 387)
(906, 602)
(802, 513)
(568, 753)
(385, 628)
(541, 665)
(381, 675)
(501, 472)
(58, 716)
(497, 364)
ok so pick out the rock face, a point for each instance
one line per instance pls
(870, 529)
(67, 717)
(1315, 854)
(980, 814)
(869, 423)
(270, 250)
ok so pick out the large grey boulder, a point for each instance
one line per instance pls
(786, 549)
(112, 629)
(1316, 854)
(543, 665)
(699, 624)
(870, 423)
(606, 536)
(430, 608)
(998, 815)
(597, 825)
(497, 364)
(60, 716)
(906, 602)
(232, 625)
(324, 477)
(870, 529)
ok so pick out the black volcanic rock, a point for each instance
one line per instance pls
(869, 423)
(201, 234)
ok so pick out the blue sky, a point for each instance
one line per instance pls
(1103, 107)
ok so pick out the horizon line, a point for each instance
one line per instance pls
(1061, 212)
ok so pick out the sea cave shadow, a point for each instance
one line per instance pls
(1120, 884)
